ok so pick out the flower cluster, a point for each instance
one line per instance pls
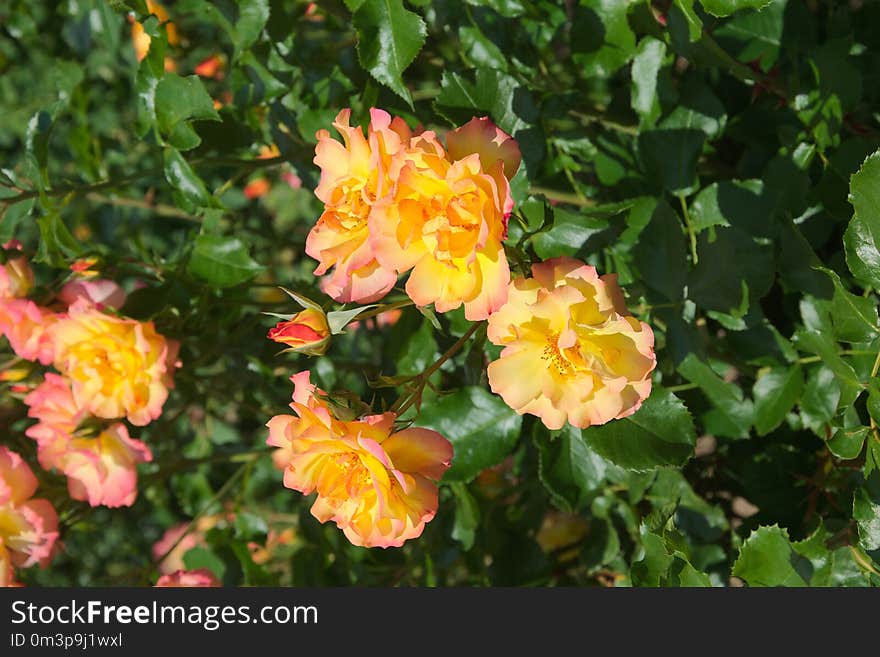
(377, 484)
(109, 368)
(397, 201)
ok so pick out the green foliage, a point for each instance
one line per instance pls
(221, 261)
(465, 417)
(660, 433)
(721, 157)
(389, 38)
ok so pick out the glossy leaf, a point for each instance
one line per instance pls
(389, 38)
(768, 559)
(660, 433)
(480, 427)
(775, 393)
(221, 261)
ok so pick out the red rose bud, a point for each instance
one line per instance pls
(307, 332)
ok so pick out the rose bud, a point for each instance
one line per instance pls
(307, 332)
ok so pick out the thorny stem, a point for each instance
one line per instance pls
(63, 190)
(843, 352)
(159, 209)
(605, 122)
(738, 69)
(862, 561)
(409, 398)
(237, 457)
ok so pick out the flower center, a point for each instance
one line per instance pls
(356, 474)
(554, 357)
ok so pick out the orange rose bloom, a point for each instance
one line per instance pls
(571, 351)
(28, 527)
(118, 367)
(27, 326)
(376, 484)
(353, 177)
(446, 218)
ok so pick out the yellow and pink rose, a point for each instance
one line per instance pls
(118, 367)
(28, 527)
(571, 352)
(377, 484)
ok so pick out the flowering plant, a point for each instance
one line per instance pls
(477, 293)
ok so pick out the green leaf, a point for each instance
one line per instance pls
(737, 412)
(146, 302)
(860, 243)
(567, 236)
(651, 567)
(301, 299)
(389, 38)
(797, 263)
(179, 99)
(339, 319)
(724, 8)
(252, 18)
(145, 85)
(507, 8)
(660, 433)
(507, 100)
(855, 318)
(11, 215)
(467, 515)
(180, 175)
(418, 351)
(57, 246)
(830, 568)
(847, 443)
(39, 132)
(759, 33)
(873, 404)
(767, 558)
(670, 156)
(819, 400)
(866, 512)
(480, 426)
(714, 288)
(697, 107)
(775, 393)
(602, 544)
(605, 24)
(199, 557)
(695, 25)
(646, 64)
(683, 574)
(823, 346)
(862, 237)
(569, 470)
(221, 261)
(740, 203)
(661, 253)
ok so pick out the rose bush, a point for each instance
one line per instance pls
(578, 293)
